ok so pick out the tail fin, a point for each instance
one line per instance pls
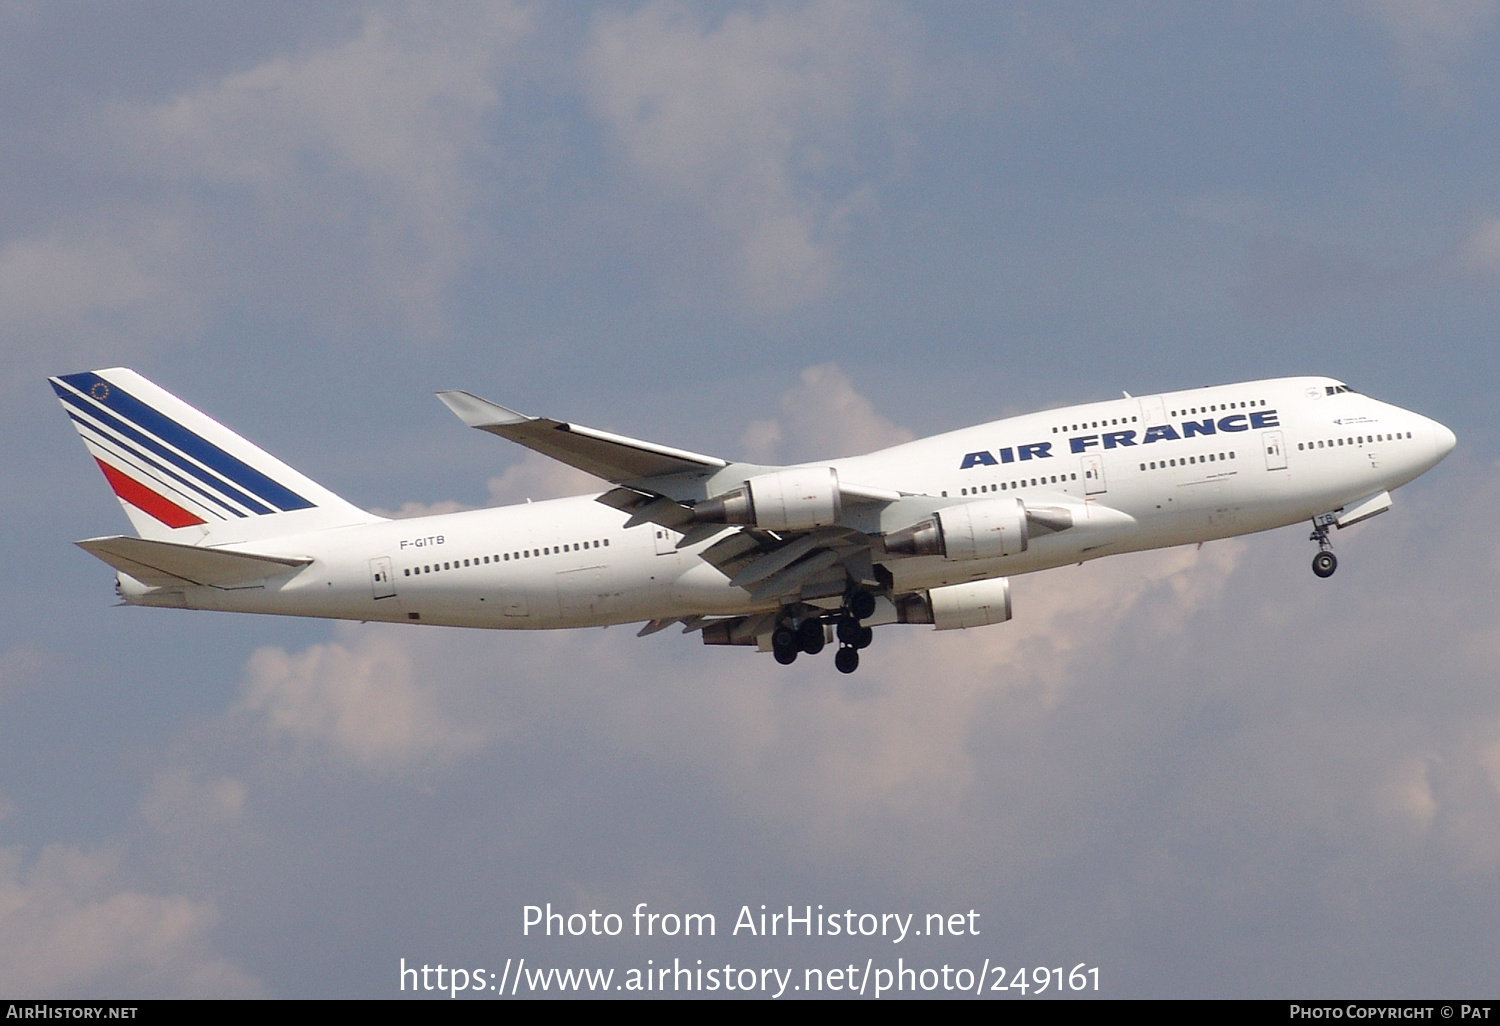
(184, 477)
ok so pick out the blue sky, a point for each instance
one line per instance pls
(779, 231)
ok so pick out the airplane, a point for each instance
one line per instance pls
(785, 559)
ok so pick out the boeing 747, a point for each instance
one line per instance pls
(786, 559)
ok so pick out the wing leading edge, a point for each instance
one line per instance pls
(612, 457)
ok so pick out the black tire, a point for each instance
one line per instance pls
(861, 605)
(866, 635)
(1324, 564)
(784, 638)
(848, 631)
(811, 636)
(847, 660)
(786, 656)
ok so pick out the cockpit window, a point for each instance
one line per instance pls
(1336, 389)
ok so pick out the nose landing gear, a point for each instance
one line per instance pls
(1325, 562)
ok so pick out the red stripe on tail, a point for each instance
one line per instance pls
(143, 498)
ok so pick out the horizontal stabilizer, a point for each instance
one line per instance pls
(612, 457)
(160, 564)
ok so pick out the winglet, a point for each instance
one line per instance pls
(480, 413)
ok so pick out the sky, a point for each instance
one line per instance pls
(775, 232)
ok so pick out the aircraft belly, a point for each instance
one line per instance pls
(703, 589)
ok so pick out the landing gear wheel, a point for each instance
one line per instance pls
(785, 656)
(848, 631)
(861, 604)
(864, 637)
(847, 660)
(1324, 564)
(810, 637)
(784, 638)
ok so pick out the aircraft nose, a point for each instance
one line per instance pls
(1443, 441)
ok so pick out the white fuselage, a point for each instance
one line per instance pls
(1136, 473)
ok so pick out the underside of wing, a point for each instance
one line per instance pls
(159, 564)
(810, 564)
(612, 457)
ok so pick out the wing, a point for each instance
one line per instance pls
(612, 457)
(792, 566)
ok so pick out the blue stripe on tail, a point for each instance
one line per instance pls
(231, 468)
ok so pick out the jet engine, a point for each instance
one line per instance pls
(788, 500)
(957, 605)
(970, 530)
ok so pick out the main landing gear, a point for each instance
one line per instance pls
(1325, 562)
(793, 638)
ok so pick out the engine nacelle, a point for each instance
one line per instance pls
(788, 500)
(970, 530)
(958, 605)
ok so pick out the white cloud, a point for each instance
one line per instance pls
(374, 138)
(421, 509)
(1481, 251)
(754, 122)
(1431, 37)
(20, 666)
(71, 280)
(821, 417)
(895, 744)
(363, 699)
(68, 929)
(176, 797)
(85, 293)
(1409, 792)
(541, 477)
(535, 477)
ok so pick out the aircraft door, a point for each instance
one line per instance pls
(1153, 410)
(1275, 451)
(1093, 475)
(382, 584)
(580, 593)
